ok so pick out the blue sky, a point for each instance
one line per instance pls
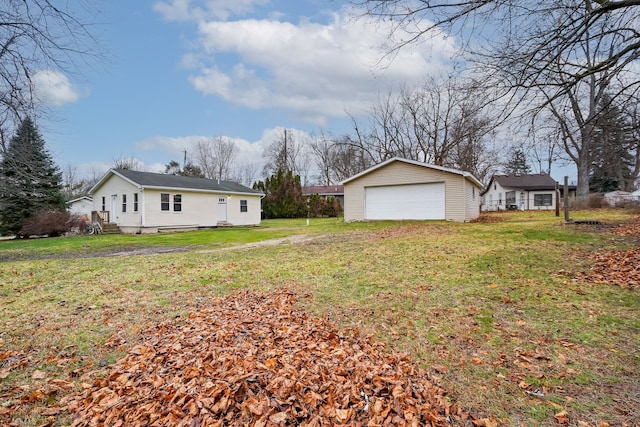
(176, 71)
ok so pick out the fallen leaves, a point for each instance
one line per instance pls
(620, 268)
(255, 360)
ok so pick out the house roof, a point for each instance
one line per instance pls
(175, 182)
(81, 198)
(467, 175)
(324, 190)
(529, 182)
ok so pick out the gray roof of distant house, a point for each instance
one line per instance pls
(324, 190)
(539, 181)
(161, 180)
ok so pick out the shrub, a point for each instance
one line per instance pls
(596, 201)
(52, 223)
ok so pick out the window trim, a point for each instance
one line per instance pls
(177, 202)
(543, 199)
(135, 202)
(165, 205)
(244, 205)
(124, 203)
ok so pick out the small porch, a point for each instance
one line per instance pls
(101, 223)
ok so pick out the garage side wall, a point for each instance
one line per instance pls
(399, 173)
(472, 200)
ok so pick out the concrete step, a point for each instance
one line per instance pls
(110, 228)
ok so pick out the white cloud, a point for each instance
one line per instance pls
(189, 10)
(316, 70)
(54, 88)
(174, 147)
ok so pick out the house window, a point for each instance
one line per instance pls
(243, 206)
(124, 203)
(135, 202)
(473, 193)
(499, 199)
(164, 201)
(104, 204)
(177, 202)
(542, 199)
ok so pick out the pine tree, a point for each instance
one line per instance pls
(283, 196)
(612, 155)
(29, 179)
(517, 163)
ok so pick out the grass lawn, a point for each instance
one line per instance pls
(489, 308)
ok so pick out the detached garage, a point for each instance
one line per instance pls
(401, 189)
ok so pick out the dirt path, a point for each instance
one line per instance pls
(151, 250)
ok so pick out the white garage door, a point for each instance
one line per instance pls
(414, 201)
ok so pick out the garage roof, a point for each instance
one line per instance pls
(467, 175)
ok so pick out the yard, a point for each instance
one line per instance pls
(521, 319)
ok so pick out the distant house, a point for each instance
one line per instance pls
(325, 191)
(522, 192)
(402, 189)
(81, 206)
(144, 202)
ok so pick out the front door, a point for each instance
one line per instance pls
(222, 208)
(112, 209)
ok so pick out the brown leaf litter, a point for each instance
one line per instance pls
(621, 268)
(256, 360)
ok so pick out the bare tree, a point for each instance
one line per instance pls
(578, 107)
(440, 122)
(128, 163)
(285, 154)
(246, 174)
(323, 151)
(215, 156)
(521, 40)
(38, 35)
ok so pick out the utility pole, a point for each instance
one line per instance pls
(184, 163)
(286, 165)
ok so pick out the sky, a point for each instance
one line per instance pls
(178, 71)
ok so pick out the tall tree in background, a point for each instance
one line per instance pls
(517, 163)
(29, 179)
(215, 157)
(287, 154)
(616, 152)
(189, 169)
(283, 196)
(128, 163)
(559, 56)
(38, 36)
(442, 122)
(521, 40)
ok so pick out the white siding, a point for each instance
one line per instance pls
(112, 190)
(198, 209)
(495, 199)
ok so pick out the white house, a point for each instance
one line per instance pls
(144, 202)
(402, 189)
(81, 206)
(522, 192)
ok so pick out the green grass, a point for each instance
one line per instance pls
(484, 300)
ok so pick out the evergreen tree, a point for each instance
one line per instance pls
(613, 153)
(517, 163)
(283, 196)
(29, 179)
(191, 170)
